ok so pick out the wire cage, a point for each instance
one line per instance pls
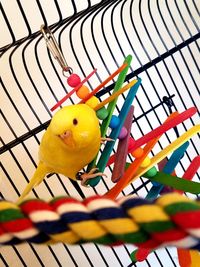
(163, 38)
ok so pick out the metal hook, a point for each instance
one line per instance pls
(55, 50)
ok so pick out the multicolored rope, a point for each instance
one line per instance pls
(171, 220)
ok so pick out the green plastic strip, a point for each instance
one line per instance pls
(168, 169)
(111, 106)
(175, 182)
(118, 85)
(101, 165)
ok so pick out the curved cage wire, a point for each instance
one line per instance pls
(162, 36)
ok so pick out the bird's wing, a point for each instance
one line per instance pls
(37, 178)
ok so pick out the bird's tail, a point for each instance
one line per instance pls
(37, 178)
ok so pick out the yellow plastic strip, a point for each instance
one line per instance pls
(195, 258)
(116, 94)
(170, 148)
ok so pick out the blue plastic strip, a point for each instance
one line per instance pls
(168, 169)
(101, 165)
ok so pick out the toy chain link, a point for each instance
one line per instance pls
(170, 220)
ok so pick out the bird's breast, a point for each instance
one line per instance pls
(65, 161)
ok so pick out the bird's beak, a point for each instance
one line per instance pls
(67, 138)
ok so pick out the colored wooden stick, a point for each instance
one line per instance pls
(170, 148)
(103, 83)
(184, 257)
(195, 258)
(129, 173)
(168, 169)
(176, 182)
(115, 132)
(59, 103)
(111, 106)
(118, 85)
(115, 95)
(133, 167)
(122, 149)
(191, 170)
(129, 177)
(159, 130)
(162, 164)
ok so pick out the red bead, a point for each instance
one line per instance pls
(73, 80)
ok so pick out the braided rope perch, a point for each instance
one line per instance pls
(171, 220)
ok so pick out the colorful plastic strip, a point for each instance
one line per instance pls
(170, 148)
(59, 103)
(191, 170)
(111, 106)
(118, 85)
(115, 95)
(159, 130)
(128, 178)
(115, 132)
(195, 258)
(133, 167)
(122, 149)
(168, 169)
(176, 182)
(103, 83)
(184, 258)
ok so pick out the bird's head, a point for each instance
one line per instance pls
(76, 126)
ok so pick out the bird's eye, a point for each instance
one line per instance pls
(75, 122)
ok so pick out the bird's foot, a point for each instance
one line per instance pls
(104, 139)
(84, 177)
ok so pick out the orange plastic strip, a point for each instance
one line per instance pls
(115, 191)
(103, 83)
(184, 257)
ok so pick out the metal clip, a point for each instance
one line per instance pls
(55, 50)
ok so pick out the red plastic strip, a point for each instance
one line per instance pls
(73, 91)
(191, 170)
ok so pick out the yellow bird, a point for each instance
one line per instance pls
(71, 141)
